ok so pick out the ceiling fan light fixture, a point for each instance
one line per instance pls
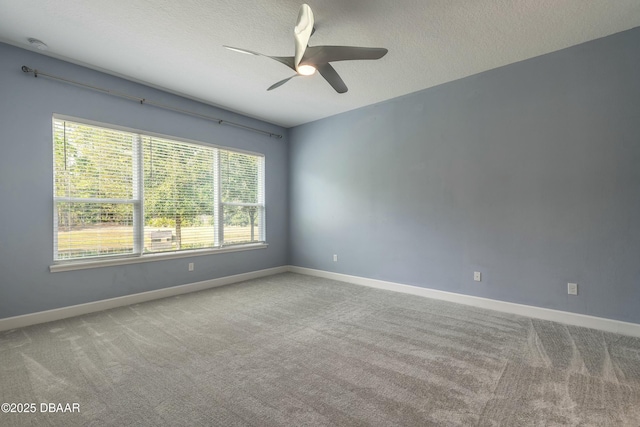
(309, 59)
(306, 70)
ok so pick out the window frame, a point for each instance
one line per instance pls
(138, 227)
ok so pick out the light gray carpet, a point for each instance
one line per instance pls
(292, 350)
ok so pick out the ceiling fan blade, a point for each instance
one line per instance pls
(302, 32)
(281, 82)
(331, 75)
(286, 60)
(323, 54)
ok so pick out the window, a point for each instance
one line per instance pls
(123, 193)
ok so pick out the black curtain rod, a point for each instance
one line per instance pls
(37, 73)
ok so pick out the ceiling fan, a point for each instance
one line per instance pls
(309, 59)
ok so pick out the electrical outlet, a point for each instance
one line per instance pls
(477, 276)
(190, 266)
(335, 258)
(572, 288)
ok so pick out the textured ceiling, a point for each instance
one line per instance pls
(177, 45)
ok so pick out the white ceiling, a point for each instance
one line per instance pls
(177, 45)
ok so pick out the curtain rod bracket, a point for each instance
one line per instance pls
(26, 69)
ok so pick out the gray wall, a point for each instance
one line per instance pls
(26, 183)
(529, 173)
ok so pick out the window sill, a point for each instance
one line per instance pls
(81, 265)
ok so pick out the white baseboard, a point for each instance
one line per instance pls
(600, 323)
(91, 307)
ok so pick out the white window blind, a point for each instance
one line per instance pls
(122, 193)
(242, 197)
(94, 208)
(178, 195)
